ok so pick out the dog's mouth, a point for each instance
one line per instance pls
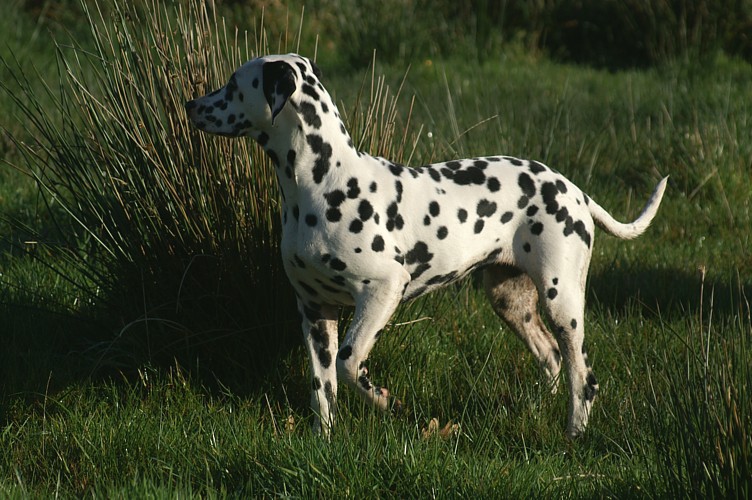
(206, 124)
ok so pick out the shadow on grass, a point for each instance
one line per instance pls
(667, 293)
(204, 315)
(228, 335)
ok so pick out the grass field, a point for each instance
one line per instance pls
(148, 346)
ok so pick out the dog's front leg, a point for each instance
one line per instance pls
(320, 336)
(373, 308)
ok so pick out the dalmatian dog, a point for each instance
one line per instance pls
(362, 231)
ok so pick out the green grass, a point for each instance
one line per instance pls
(161, 379)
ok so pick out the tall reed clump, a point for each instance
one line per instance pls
(171, 231)
(701, 409)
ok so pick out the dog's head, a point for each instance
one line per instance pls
(254, 96)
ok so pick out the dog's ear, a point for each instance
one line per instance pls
(279, 85)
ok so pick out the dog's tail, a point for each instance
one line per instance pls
(633, 229)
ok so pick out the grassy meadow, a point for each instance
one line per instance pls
(148, 340)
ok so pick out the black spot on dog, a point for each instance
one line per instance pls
(493, 184)
(552, 293)
(377, 245)
(419, 253)
(591, 388)
(485, 208)
(335, 198)
(311, 220)
(526, 247)
(433, 208)
(394, 219)
(573, 324)
(311, 117)
(328, 391)
(333, 215)
(579, 228)
(549, 193)
(527, 185)
(372, 188)
(532, 210)
(324, 152)
(506, 217)
(471, 175)
(365, 210)
(356, 226)
(536, 228)
(418, 271)
(396, 169)
(345, 352)
(442, 232)
(562, 214)
(309, 90)
(353, 190)
(536, 167)
(462, 215)
(478, 226)
(319, 335)
(434, 174)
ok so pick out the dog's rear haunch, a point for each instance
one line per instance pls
(363, 231)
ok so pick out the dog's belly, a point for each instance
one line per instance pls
(446, 268)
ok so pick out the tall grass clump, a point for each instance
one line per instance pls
(170, 231)
(155, 222)
(700, 401)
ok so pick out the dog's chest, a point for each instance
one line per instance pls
(313, 267)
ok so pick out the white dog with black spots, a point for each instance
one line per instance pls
(362, 231)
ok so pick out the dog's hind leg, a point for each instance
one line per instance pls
(514, 297)
(563, 295)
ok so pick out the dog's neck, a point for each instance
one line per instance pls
(307, 147)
